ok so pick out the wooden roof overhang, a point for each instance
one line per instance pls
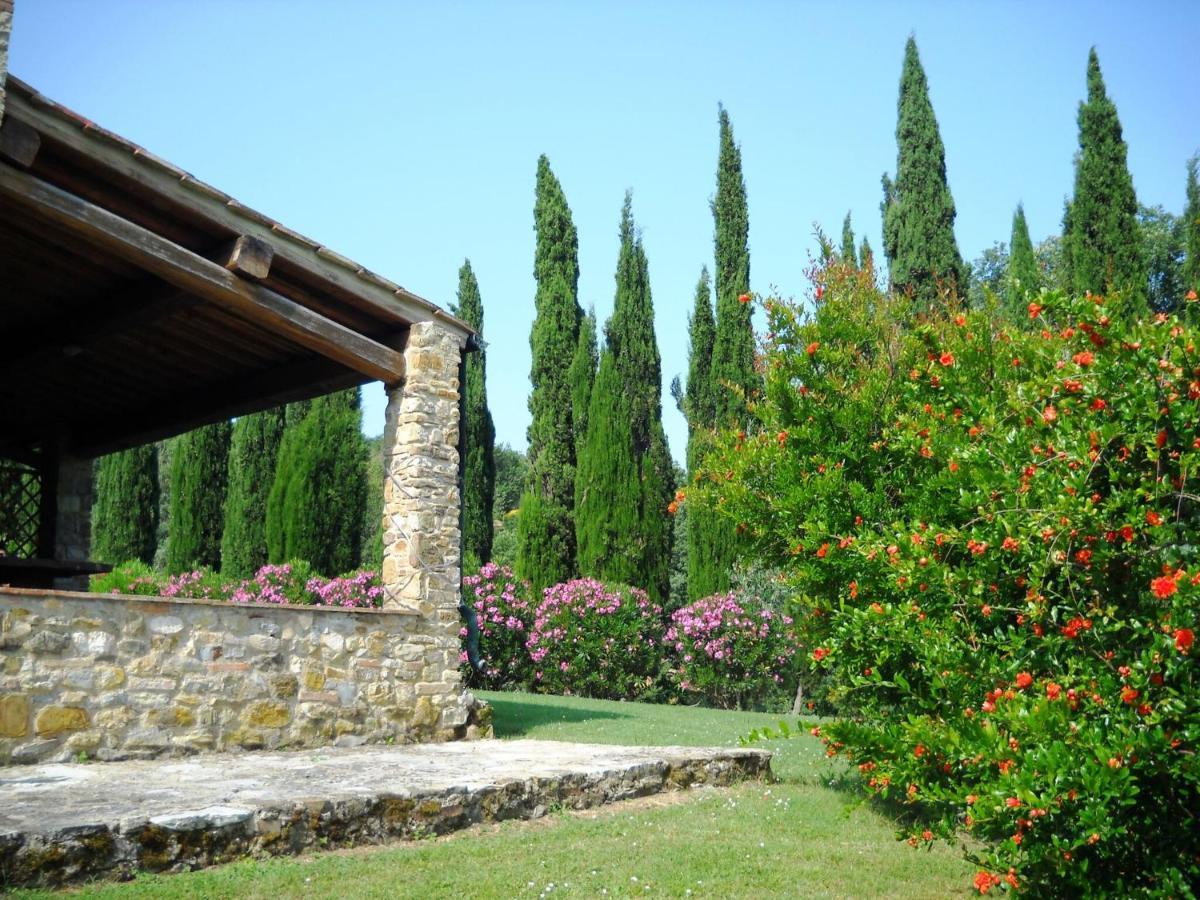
(137, 302)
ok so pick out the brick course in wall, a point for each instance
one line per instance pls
(100, 676)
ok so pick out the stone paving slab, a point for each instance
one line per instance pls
(67, 822)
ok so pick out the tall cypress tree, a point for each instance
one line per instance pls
(479, 468)
(546, 527)
(1024, 277)
(607, 521)
(315, 508)
(700, 409)
(253, 451)
(632, 341)
(199, 475)
(1104, 244)
(583, 375)
(918, 210)
(848, 256)
(125, 511)
(733, 344)
(1191, 229)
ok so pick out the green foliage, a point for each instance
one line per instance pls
(1101, 230)
(199, 475)
(591, 639)
(504, 546)
(1163, 239)
(165, 451)
(679, 547)
(125, 509)
(989, 275)
(1191, 229)
(848, 255)
(511, 471)
(990, 535)
(133, 577)
(1024, 278)
(918, 210)
(479, 467)
(731, 370)
(546, 536)
(607, 491)
(315, 508)
(583, 375)
(253, 450)
(866, 256)
(372, 527)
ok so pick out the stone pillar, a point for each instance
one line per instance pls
(421, 541)
(73, 518)
(6, 16)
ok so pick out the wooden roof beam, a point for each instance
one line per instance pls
(201, 277)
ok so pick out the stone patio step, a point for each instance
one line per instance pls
(64, 823)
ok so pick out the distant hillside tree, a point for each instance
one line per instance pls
(315, 508)
(866, 256)
(1103, 243)
(253, 450)
(199, 475)
(125, 509)
(546, 528)
(1163, 248)
(918, 210)
(511, 472)
(479, 467)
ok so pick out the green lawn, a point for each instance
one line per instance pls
(798, 837)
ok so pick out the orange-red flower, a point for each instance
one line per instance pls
(1049, 414)
(1129, 694)
(1053, 690)
(744, 298)
(1035, 310)
(1164, 586)
(1084, 358)
(946, 359)
(985, 882)
(1153, 518)
(1024, 680)
(812, 348)
(1184, 638)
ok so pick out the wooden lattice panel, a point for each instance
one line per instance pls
(20, 503)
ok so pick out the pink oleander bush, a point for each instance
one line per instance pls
(733, 652)
(285, 584)
(504, 610)
(597, 640)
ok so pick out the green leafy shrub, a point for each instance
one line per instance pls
(133, 577)
(990, 534)
(597, 640)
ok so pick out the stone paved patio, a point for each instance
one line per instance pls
(62, 823)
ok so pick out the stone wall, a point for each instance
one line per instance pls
(108, 677)
(6, 15)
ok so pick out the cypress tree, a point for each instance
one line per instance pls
(315, 508)
(479, 468)
(607, 519)
(1191, 229)
(866, 256)
(700, 409)
(546, 527)
(1024, 278)
(583, 375)
(632, 342)
(125, 510)
(199, 474)
(918, 210)
(253, 450)
(733, 343)
(848, 256)
(1104, 244)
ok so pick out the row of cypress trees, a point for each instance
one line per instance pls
(288, 483)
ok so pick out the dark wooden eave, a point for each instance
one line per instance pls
(137, 302)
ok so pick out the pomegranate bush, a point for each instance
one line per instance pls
(733, 652)
(991, 535)
(596, 640)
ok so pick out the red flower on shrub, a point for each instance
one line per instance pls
(744, 298)
(1053, 690)
(1084, 358)
(946, 359)
(1153, 519)
(1034, 310)
(1129, 695)
(812, 348)
(1164, 586)
(1024, 680)
(1184, 638)
(985, 881)
(1049, 415)
(820, 653)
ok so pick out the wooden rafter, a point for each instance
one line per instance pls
(202, 277)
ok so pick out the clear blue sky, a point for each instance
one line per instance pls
(405, 135)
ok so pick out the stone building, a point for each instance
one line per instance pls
(139, 303)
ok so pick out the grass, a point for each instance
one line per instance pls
(798, 837)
